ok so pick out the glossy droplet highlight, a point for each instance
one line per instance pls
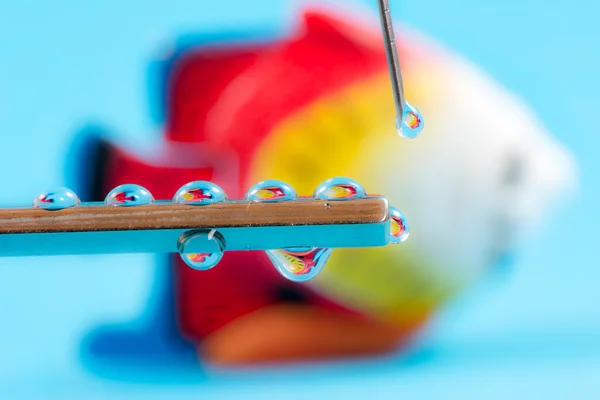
(201, 250)
(129, 195)
(271, 192)
(339, 189)
(412, 122)
(299, 264)
(56, 200)
(200, 193)
(399, 229)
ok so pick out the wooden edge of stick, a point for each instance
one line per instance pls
(96, 217)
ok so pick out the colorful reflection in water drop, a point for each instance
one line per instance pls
(58, 199)
(211, 245)
(399, 229)
(129, 195)
(200, 193)
(202, 261)
(412, 122)
(271, 192)
(339, 189)
(299, 264)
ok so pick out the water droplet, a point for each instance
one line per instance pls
(399, 229)
(339, 189)
(299, 264)
(412, 122)
(56, 199)
(199, 193)
(212, 244)
(271, 192)
(129, 195)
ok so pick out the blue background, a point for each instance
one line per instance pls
(532, 333)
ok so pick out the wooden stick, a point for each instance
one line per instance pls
(95, 228)
(175, 216)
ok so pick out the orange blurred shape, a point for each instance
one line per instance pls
(284, 332)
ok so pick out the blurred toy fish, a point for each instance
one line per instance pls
(300, 263)
(397, 228)
(123, 197)
(46, 199)
(196, 195)
(270, 193)
(198, 257)
(315, 105)
(412, 120)
(341, 191)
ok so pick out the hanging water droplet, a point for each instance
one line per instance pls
(129, 195)
(212, 246)
(299, 264)
(399, 229)
(339, 189)
(412, 122)
(199, 193)
(271, 192)
(58, 199)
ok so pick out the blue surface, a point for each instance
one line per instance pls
(533, 333)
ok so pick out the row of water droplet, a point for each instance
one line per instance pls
(298, 264)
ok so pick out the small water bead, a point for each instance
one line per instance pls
(300, 264)
(199, 193)
(212, 242)
(56, 199)
(129, 195)
(339, 189)
(399, 229)
(271, 191)
(412, 122)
